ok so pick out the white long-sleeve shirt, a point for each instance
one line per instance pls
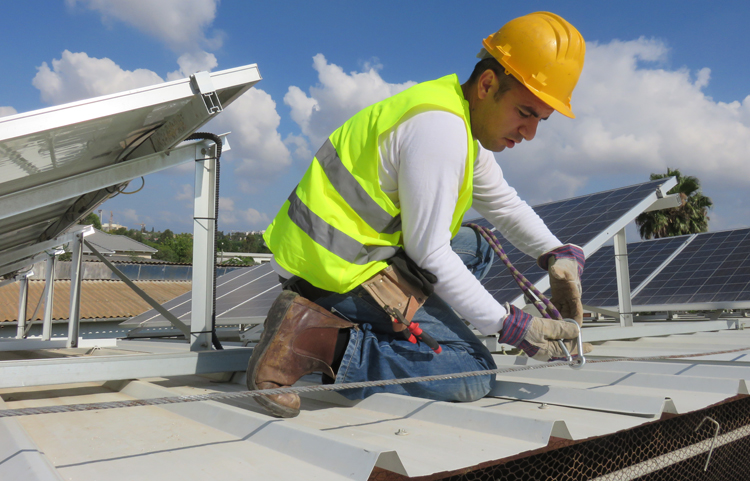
(422, 163)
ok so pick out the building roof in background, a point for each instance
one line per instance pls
(116, 244)
(100, 299)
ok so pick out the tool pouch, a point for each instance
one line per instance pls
(393, 291)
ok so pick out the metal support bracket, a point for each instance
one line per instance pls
(178, 324)
(204, 211)
(201, 81)
(622, 271)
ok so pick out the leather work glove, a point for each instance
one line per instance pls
(537, 336)
(565, 266)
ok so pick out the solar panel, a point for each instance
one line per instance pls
(579, 221)
(43, 149)
(600, 280)
(713, 269)
(243, 293)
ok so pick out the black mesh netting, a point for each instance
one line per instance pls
(669, 449)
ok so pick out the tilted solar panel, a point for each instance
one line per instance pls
(600, 280)
(576, 221)
(246, 292)
(714, 268)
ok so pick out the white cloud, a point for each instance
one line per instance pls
(129, 215)
(255, 140)
(185, 192)
(337, 97)
(300, 145)
(193, 62)
(634, 118)
(5, 111)
(240, 219)
(77, 76)
(181, 24)
(227, 215)
(255, 218)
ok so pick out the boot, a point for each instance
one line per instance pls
(299, 337)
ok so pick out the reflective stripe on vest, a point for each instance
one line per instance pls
(353, 193)
(333, 239)
(338, 227)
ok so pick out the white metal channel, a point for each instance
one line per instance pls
(67, 188)
(42, 372)
(167, 93)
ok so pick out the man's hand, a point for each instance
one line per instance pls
(565, 266)
(537, 337)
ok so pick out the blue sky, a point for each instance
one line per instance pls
(664, 85)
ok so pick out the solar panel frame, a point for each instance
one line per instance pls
(587, 221)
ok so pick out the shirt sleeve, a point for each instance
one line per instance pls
(500, 204)
(428, 153)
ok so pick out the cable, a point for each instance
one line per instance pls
(216, 140)
(143, 184)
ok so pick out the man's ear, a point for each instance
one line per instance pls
(485, 83)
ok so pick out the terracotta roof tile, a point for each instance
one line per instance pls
(99, 298)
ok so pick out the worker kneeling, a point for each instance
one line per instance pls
(370, 248)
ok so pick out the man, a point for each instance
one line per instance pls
(374, 226)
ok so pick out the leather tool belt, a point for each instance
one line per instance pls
(401, 300)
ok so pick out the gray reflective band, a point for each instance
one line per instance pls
(333, 239)
(353, 193)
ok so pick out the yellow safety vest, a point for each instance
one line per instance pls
(338, 226)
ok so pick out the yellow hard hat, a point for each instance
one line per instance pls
(544, 52)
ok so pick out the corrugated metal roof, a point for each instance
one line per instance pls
(99, 298)
(334, 438)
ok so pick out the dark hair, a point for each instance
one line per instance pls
(507, 81)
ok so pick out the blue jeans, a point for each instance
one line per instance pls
(374, 352)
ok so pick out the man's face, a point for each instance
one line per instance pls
(504, 122)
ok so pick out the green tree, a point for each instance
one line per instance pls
(689, 218)
(166, 236)
(92, 219)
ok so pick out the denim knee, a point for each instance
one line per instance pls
(474, 251)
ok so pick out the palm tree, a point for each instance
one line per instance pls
(690, 218)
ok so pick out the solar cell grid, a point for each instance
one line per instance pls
(599, 278)
(706, 271)
(240, 293)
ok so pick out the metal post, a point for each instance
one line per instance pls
(74, 319)
(23, 298)
(49, 283)
(204, 240)
(623, 279)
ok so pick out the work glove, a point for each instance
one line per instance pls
(537, 336)
(565, 266)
